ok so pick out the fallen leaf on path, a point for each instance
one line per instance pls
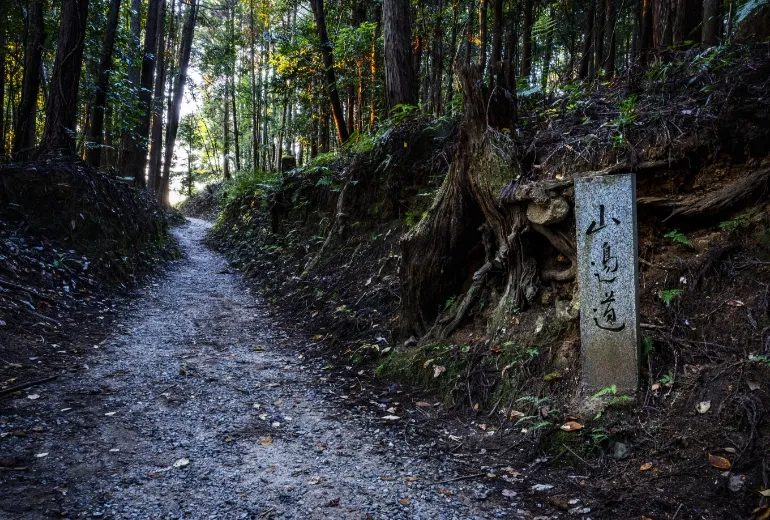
(411, 479)
(391, 417)
(114, 450)
(646, 466)
(765, 492)
(266, 441)
(571, 426)
(65, 409)
(423, 404)
(552, 376)
(427, 363)
(229, 438)
(753, 385)
(388, 479)
(41, 455)
(180, 463)
(442, 491)
(720, 462)
(405, 502)
(33, 396)
(703, 406)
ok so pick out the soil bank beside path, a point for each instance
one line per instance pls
(193, 409)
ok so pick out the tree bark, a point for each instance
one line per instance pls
(483, 8)
(711, 22)
(61, 112)
(601, 12)
(24, 131)
(328, 60)
(96, 137)
(609, 30)
(156, 131)
(254, 90)
(400, 75)
(588, 43)
(226, 129)
(128, 141)
(172, 121)
(497, 41)
(526, 50)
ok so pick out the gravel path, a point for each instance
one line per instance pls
(192, 409)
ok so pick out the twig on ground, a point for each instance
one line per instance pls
(26, 385)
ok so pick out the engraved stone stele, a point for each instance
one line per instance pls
(608, 273)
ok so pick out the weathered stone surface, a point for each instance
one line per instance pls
(605, 211)
(552, 212)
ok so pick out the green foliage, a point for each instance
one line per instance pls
(679, 237)
(253, 184)
(747, 8)
(450, 301)
(646, 346)
(667, 379)
(669, 295)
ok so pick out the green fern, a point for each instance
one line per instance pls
(669, 295)
(679, 237)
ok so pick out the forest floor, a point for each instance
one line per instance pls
(195, 406)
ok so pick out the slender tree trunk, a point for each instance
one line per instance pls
(61, 112)
(609, 30)
(547, 60)
(711, 22)
(24, 132)
(226, 128)
(128, 141)
(400, 75)
(136, 162)
(254, 90)
(175, 105)
(497, 41)
(601, 13)
(588, 43)
(236, 132)
(453, 51)
(94, 149)
(645, 33)
(324, 138)
(156, 131)
(483, 7)
(350, 108)
(526, 50)
(331, 81)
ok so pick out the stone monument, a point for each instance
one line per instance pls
(608, 273)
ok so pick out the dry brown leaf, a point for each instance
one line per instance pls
(720, 462)
(442, 491)
(571, 426)
(423, 404)
(646, 466)
(266, 441)
(405, 502)
(411, 479)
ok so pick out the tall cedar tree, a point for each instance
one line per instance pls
(94, 149)
(328, 60)
(175, 105)
(61, 111)
(136, 162)
(24, 132)
(156, 130)
(400, 76)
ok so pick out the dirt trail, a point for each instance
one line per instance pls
(192, 409)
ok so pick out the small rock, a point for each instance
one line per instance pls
(620, 451)
(411, 342)
(539, 488)
(737, 483)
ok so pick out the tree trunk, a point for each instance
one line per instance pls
(324, 138)
(96, 137)
(711, 22)
(526, 49)
(437, 64)
(24, 131)
(400, 75)
(609, 30)
(483, 8)
(254, 90)
(156, 131)
(645, 33)
(331, 81)
(588, 43)
(497, 41)
(138, 161)
(601, 13)
(547, 60)
(687, 19)
(61, 112)
(226, 129)
(466, 209)
(236, 133)
(128, 141)
(175, 105)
